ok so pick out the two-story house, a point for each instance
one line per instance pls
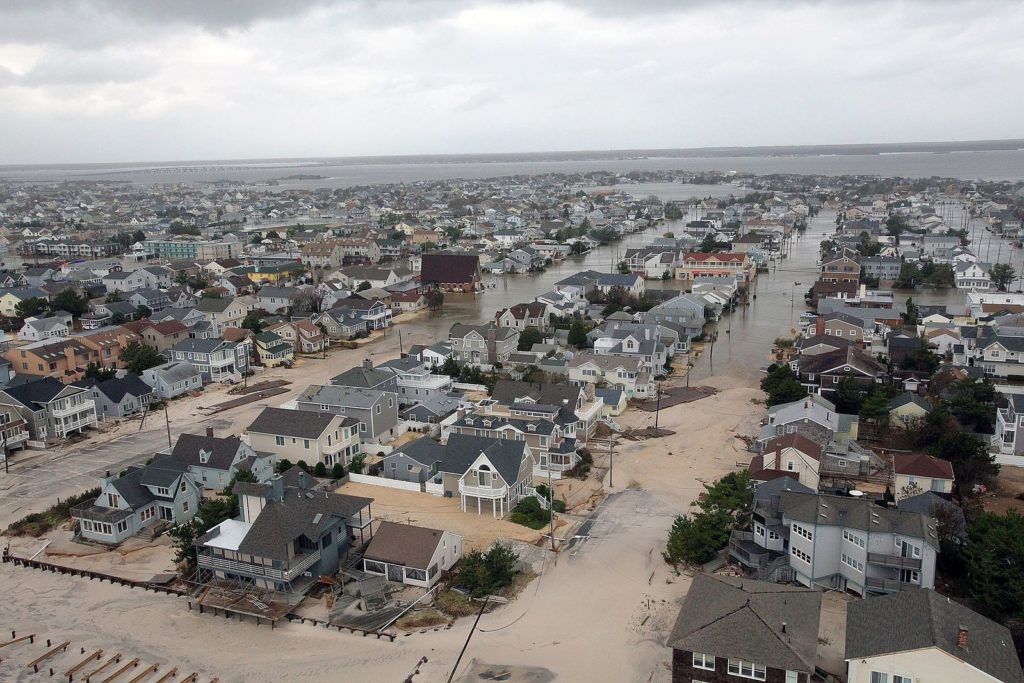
(376, 411)
(119, 397)
(482, 345)
(791, 455)
(840, 267)
(304, 435)
(521, 316)
(212, 461)
(625, 374)
(223, 313)
(160, 492)
(285, 536)
(173, 379)
(51, 408)
(215, 359)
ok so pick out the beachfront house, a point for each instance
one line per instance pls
(50, 408)
(625, 374)
(160, 493)
(285, 537)
(215, 359)
(413, 555)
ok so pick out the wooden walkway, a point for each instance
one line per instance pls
(228, 610)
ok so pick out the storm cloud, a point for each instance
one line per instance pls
(103, 80)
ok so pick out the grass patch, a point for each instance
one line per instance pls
(424, 618)
(454, 604)
(38, 523)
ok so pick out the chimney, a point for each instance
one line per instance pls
(819, 325)
(778, 458)
(961, 637)
(783, 627)
(276, 488)
(367, 364)
(209, 432)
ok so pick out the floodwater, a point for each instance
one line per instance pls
(745, 336)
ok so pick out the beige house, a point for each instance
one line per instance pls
(918, 635)
(908, 409)
(916, 473)
(305, 435)
(619, 373)
(791, 455)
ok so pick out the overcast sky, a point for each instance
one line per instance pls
(110, 80)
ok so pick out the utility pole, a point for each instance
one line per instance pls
(167, 421)
(611, 483)
(551, 507)
(401, 351)
(657, 407)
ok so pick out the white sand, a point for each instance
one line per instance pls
(599, 612)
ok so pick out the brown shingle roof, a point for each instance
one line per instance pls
(797, 441)
(922, 465)
(404, 544)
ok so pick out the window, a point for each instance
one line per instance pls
(853, 538)
(790, 466)
(305, 444)
(792, 677)
(279, 440)
(801, 531)
(800, 554)
(738, 667)
(184, 506)
(851, 562)
(122, 526)
(703, 661)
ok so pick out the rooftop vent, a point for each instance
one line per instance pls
(318, 517)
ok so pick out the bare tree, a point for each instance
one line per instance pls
(307, 300)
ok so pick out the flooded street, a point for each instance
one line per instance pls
(745, 336)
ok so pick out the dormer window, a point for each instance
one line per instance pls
(204, 456)
(531, 427)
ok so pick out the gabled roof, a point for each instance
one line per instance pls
(404, 544)
(117, 388)
(362, 378)
(221, 450)
(768, 623)
(38, 392)
(306, 424)
(922, 465)
(879, 626)
(798, 441)
(908, 397)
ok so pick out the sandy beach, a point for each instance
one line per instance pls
(599, 610)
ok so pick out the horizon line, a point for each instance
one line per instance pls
(984, 145)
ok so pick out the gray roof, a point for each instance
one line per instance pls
(298, 513)
(772, 624)
(461, 451)
(305, 424)
(221, 450)
(162, 472)
(857, 513)
(350, 397)
(909, 397)
(360, 377)
(878, 626)
(175, 371)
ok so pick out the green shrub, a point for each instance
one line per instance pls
(320, 470)
(38, 523)
(337, 471)
(529, 513)
(486, 573)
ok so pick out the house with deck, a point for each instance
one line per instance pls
(303, 435)
(212, 461)
(160, 493)
(285, 537)
(413, 555)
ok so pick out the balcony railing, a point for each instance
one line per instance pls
(94, 513)
(223, 564)
(888, 585)
(63, 427)
(743, 547)
(87, 404)
(483, 491)
(894, 561)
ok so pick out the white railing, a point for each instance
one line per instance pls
(386, 483)
(483, 491)
(87, 404)
(63, 428)
(434, 489)
(252, 569)
(424, 381)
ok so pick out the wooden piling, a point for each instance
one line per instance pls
(81, 665)
(129, 665)
(34, 664)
